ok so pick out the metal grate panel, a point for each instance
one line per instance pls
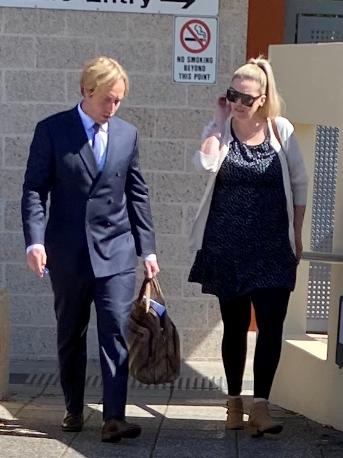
(309, 21)
(319, 29)
(324, 188)
(323, 218)
(183, 383)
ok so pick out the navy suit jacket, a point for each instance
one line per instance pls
(103, 217)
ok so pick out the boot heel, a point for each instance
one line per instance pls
(260, 421)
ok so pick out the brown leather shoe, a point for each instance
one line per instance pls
(113, 430)
(72, 423)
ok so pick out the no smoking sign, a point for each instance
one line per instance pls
(195, 36)
(195, 50)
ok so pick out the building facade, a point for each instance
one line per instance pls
(41, 55)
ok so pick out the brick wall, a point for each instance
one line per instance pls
(41, 54)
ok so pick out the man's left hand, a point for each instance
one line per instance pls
(151, 268)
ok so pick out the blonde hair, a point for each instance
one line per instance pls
(102, 71)
(260, 70)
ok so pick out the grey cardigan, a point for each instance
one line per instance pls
(294, 175)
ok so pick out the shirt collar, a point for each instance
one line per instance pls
(88, 122)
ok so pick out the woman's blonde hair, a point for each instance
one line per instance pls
(260, 70)
(102, 71)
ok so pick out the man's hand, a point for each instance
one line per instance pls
(151, 268)
(36, 260)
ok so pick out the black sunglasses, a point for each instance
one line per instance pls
(246, 99)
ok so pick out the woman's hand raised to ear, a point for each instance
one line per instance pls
(213, 133)
(222, 110)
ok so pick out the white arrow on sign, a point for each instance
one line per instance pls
(187, 3)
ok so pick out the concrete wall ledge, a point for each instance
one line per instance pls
(307, 384)
(4, 343)
(309, 345)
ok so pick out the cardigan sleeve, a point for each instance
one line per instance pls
(206, 162)
(295, 161)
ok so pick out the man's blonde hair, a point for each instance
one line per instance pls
(102, 71)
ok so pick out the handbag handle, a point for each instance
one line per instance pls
(145, 291)
(148, 284)
(157, 287)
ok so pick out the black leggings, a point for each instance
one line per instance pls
(270, 306)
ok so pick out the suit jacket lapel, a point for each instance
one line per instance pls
(80, 141)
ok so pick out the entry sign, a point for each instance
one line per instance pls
(195, 50)
(185, 7)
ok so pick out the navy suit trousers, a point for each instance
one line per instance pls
(113, 298)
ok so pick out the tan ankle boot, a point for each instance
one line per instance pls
(261, 422)
(234, 419)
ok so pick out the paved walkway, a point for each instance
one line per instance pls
(185, 421)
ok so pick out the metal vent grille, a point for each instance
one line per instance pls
(324, 192)
(319, 28)
(321, 36)
(215, 383)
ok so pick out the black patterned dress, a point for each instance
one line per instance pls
(246, 243)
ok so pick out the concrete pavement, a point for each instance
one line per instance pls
(185, 421)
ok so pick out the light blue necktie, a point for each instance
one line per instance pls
(97, 146)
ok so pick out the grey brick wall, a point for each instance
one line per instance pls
(41, 54)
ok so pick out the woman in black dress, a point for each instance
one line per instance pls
(247, 232)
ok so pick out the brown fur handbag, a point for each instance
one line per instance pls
(154, 345)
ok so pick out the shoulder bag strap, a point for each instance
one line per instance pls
(276, 132)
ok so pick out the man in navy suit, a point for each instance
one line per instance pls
(99, 221)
